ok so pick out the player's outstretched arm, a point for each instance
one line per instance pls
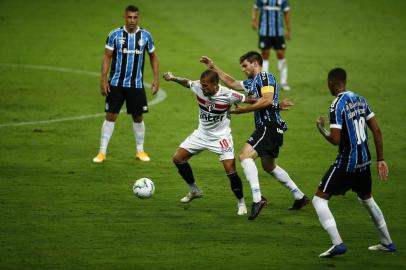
(332, 136)
(227, 79)
(168, 76)
(261, 103)
(382, 167)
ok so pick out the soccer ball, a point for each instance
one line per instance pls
(143, 188)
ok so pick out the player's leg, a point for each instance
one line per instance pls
(113, 104)
(180, 159)
(283, 68)
(332, 183)
(264, 46)
(192, 145)
(363, 188)
(247, 158)
(269, 165)
(236, 184)
(136, 102)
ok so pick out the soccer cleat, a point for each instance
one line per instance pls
(257, 207)
(333, 251)
(100, 158)
(142, 156)
(382, 247)
(285, 87)
(191, 196)
(298, 204)
(242, 210)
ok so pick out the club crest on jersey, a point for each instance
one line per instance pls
(209, 106)
(141, 42)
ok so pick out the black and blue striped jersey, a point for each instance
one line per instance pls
(271, 22)
(127, 66)
(349, 112)
(262, 83)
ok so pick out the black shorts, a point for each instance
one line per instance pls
(266, 42)
(338, 181)
(267, 140)
(135, 100)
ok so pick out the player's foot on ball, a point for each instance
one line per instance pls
(242, 209)
(333, 251)
(100, 158)
(191, 196)
(142, 156)
(382, 247)
(257, 207)
(298, 204)
(285, 87)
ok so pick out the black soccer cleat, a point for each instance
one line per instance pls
(257, 207)
(298, 204)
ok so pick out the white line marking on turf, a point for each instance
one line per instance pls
(159, 97)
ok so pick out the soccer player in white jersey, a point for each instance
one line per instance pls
(213, 133)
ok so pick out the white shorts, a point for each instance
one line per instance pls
(197, 142)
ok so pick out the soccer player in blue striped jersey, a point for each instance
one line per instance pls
(349, 116)
(124, 54)
(267, 138)
(271, 33)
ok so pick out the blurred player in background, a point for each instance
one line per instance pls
(267, 138)
(271, 33)
(349, 116)
(124, 54)
(213, 134)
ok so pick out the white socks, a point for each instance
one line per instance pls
(283, 71)
(251, 173)
(106, 132)
(139, 134)
(326, 219)
(378, 219)
(283, 177)
(265, 65)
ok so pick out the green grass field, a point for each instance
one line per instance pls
(60, 211)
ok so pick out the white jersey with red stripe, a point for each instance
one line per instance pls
(214, 119)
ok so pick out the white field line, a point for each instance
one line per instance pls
(159, 97)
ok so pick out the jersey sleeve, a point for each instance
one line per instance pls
(246, 85)
(368, 111)
(194, 86)
(235, 97)
(111, 41)
(258, 4)
(150, 44)
(285, 5)
(335, 115)
(268, 83)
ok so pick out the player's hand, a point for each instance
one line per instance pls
(285, 104)
(320, 122)
(254, 25)
(168, 76)
(104, 88)
(207, 61)
(383, 170)
(155, 86)
(236, 110)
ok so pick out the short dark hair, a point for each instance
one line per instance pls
(211, 75)
(252, 56)
(131, 8)
(337, 74)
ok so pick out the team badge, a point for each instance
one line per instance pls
(209, 106)
(141, 42)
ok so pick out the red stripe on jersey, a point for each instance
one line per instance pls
(216, 105)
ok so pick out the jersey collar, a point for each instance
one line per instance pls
(138, 29)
